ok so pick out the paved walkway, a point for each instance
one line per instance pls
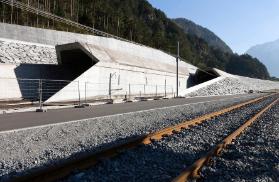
(31, 119)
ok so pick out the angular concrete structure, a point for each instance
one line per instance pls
(140, 67)
(87, 62)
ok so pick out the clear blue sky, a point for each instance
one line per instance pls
(240, 23)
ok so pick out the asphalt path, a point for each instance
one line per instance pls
(31, 119)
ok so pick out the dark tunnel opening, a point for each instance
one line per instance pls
(73, 63)
(76, 62)
(201, 76)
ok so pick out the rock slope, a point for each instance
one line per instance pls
(15, 52)
(234, 85)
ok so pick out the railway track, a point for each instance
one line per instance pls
(165, 153)
(254, 156)
(194, 170)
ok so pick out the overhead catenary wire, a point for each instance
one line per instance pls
(28, 8)
(54, 17)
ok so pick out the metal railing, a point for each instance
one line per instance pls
(43, 91)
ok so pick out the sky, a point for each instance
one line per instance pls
(240, 23)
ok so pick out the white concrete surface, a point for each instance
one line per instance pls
(9, 87)
(130, 63)
(144, 69)
(140, 66)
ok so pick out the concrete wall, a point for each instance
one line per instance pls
(22, 81)
(141, 67)
(53, 37)
(145, 70)
(142, 82)
(9, 87)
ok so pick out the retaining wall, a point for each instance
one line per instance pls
(145, 66)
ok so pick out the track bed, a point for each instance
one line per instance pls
(163, 160)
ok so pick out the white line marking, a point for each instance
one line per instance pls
(108, 116)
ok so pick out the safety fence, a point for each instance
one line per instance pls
(44, 91)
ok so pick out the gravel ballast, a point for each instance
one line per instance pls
(163, 160)
(253, 157)
(235, 85)
(33, 148)
(15, 52)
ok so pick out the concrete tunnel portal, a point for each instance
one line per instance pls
(75, 59)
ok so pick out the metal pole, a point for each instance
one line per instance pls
(41, 94)
(85, 94)
(165, 88)
(79, 95)
(144, 90)
(12, 4)
(38, 14)
(129, 91)
(177, 59)
(40, 90)
(156, 90)
(110, 75)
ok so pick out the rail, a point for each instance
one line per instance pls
(59, 171)
(193, 172)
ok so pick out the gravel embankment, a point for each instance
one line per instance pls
(18, 53)
(239, 85)
(37, 147)
(163, 160)
(253, 157)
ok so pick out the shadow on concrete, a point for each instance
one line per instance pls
(28, 76)
(55, 77)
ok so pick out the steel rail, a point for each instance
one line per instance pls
(193, 172)
(55, 172)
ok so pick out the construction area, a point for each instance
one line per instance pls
(114, 110)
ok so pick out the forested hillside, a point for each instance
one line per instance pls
(213, 40)
(135, 20)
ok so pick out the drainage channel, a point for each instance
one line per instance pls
(155, 146)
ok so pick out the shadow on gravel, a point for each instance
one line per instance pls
(144, 163)
(58, 162)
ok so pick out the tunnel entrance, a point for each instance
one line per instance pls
(201, 76)
(73, 60)
(76, 62)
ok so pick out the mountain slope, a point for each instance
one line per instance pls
(213, 40)
(135, 20)
(268, 53)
